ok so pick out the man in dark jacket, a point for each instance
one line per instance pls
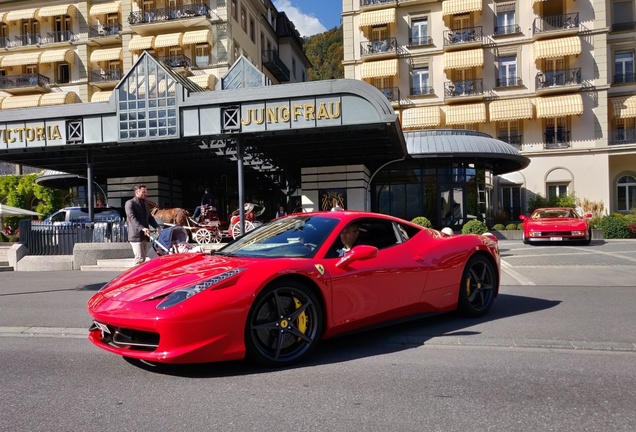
(206, 200)
(139, 221)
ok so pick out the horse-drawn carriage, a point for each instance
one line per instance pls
(209, 228)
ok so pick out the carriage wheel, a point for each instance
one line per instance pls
(202, 236)
(236, 229)
(217, 236)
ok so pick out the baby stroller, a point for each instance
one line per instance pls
(173, 240)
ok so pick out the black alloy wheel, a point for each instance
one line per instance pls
(478, 287)
(284, 324)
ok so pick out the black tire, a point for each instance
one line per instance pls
(588, 240)
(478, 287)
(523, 238)
(284, 324)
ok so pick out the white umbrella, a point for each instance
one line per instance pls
(6, 210)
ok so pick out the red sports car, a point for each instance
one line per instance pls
(556, 224)
(272, 294)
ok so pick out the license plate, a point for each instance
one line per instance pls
(556, 238)
(102, 327)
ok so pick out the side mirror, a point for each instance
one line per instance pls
(589, 215)
(362, 252)
(523, 217)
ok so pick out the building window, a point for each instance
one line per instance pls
(421, 83)
(419, 32)
(507, 71)
(244, 19)
(556, 134)
(237, 51)
(511, 202)
(294, 67)
(557, 190)
(63, 73)
(624, 67)
(510, 132)
(506, 21)
(626, 193)
(385, 85)
(202, 55)
(252, 30)
(623, 15)
(234, 11)
(304, 76)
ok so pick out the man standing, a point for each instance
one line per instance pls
(139, 221)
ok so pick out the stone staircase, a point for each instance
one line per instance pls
(4, 259)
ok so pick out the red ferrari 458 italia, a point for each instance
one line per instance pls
(556, 224)
(274, 293)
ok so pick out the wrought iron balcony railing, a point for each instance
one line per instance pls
(558, 78)
(515, 140)
(556, 139)
(275, 65)
(168, 14)
(8, 82)
(509, 29)
(378, 46)
(623, 136)
(464, 88)
(420, 41)
(98, 31)
(375, 2)
(624, 78)
(422, 91)
(555, 23)
(462, 36)
(391, 93)
(509, 81)
(59, 36)
(26, 39)
(175, 61)
(98, 75)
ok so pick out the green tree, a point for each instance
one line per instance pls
(325, 52)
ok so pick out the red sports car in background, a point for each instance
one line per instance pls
(272, 294)
(556, 224)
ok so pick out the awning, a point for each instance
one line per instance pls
(58, 98)
(464, 59)
(198, 37)
(465, 114)
(51, 11)
(104, 8)
(378, 69)
(21, 14)
(55, 56)
(140, 43)
(167, 40)
(421, 117)
(557, 47)
(559, 106)
(101, 96)
(21, 59)
(511, 109)
(454, 7)
(624, 107)
(377, 17)
(106, 55)
(29, 101)
(537, 1)
(204, 81)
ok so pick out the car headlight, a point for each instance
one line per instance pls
(578, 233)
(179, 296)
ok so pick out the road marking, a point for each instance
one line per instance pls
(506, 267)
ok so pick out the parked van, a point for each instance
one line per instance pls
(80, 215)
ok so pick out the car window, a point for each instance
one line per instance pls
(379, 233)
(59, 216)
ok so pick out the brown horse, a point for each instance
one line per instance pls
(174, 216)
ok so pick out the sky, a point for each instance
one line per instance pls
(311, 16)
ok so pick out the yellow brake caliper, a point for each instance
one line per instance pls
(302, 318)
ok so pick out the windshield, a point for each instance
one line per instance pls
(295, 236)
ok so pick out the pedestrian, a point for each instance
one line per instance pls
(139, 222)
(206, 200)
(281, 212)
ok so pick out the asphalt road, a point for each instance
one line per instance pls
(557, 353)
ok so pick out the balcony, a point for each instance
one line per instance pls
(515, 140)
(422, 91)
(59, 36)
(508, 81)
(173, 18)
(507, 30)
(104, 79)
(378, 46)
(24, 83)
(553, 140)
(624, 78)
(391, 93)
(558, 80)
(622, 136)
(622, 27)
(24, 40)
(104, 31)
(178, 61)
(563, 24)
(275, 65)
(370, 3)
(471, 89)
(420, 41)
(463, 38)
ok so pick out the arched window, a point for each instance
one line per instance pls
(626, 193)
